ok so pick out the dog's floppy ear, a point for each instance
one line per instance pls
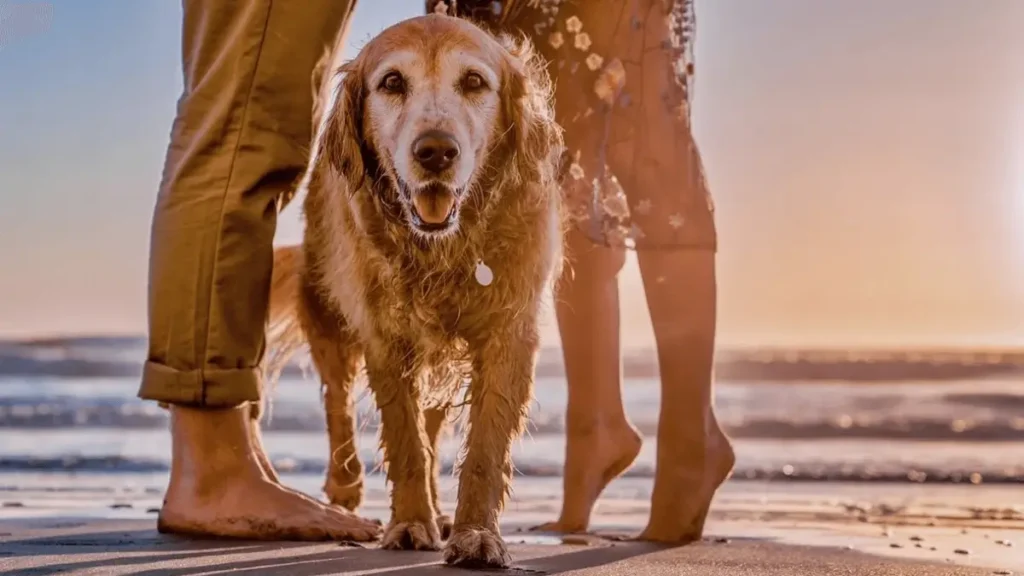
(342, 143)
(535, 137)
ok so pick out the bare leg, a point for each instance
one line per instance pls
(656, 157)
(211, 445)
(694, 455)
(601, 443)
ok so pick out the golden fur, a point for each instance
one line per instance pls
(385, 274)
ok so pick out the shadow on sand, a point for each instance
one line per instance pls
(148, 553)
(90, 548)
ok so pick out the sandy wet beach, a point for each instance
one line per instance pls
(132, 547)
(756, 528)
(845, 478)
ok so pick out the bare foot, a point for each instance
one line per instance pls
(219, 488)
(280, 515)
(683, 490)
(593, 459)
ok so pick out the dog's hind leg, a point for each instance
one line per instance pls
(499, 397)
(336, 354)
(435, 420)
(338, 366)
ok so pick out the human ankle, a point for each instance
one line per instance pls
(591, 422)
(210, 445)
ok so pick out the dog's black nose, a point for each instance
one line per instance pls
(435, 150)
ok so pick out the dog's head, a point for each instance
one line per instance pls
(433, 112)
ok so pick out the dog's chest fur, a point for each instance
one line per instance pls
(430, 301)
(387, 287)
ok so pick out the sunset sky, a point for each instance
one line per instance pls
(867, 159)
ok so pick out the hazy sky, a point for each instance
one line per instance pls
(867, 158)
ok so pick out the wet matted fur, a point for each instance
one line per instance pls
(386, 273)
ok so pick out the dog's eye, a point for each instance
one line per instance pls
(393, 82)
(473, 82)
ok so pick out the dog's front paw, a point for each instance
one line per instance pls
(476, 548)
(411, 536)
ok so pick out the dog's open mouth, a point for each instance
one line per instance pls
(433, 207)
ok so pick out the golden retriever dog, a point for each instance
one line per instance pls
(433, 228)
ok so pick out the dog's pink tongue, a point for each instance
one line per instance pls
(433, 207)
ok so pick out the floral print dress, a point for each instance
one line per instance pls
(623, 73)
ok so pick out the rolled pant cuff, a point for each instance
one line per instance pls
(208, 388)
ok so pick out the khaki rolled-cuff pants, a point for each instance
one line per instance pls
(240, 140)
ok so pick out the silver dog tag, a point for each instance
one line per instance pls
(483, 274)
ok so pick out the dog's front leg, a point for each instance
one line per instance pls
(392, 378)
(499, 395)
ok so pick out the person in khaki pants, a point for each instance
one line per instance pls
(239, 141)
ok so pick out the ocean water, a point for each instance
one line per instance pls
(957, 431)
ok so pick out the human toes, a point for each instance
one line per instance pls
(347, 526)
(556, 527)
(669, 530)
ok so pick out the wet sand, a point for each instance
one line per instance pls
(755, 528)
(132, 547)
